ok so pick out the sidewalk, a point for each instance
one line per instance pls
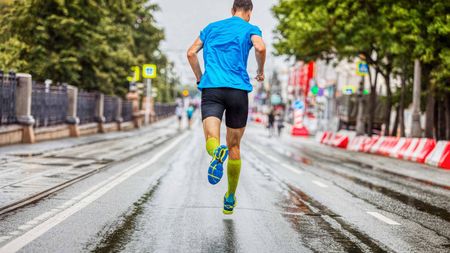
(30, 172)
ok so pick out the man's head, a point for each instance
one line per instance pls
(242, 8)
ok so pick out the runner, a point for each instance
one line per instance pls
(225, 85)
(179, 113)
(190, 112)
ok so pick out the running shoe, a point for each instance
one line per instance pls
(229, 203)
(215, 170)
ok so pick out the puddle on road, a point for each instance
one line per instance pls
(116, 239)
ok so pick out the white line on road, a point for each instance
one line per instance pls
(320, 184)
(291, 168)
(383, 218)
(90, 196)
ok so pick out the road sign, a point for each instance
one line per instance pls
(362, 68)
(149, 71)
(136, 74)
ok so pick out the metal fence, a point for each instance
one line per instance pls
(49, 104)
(164, 110)
(8, 84)
(87, 107)
(110, 108)
(127, 110)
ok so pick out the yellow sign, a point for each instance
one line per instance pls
(185, 93)
(149, 71)
(136, 74)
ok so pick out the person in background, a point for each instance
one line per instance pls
(280, 122)
(179, 113)
(190, 112)
(271, 122)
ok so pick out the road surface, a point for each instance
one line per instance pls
(293, 196)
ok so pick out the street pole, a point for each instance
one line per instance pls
(360, 128)
(148, 100)
(416, 129)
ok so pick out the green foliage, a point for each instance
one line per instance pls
(390, 34)
(89, 44)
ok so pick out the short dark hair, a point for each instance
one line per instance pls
(245, 5)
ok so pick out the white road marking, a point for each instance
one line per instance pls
(383, 218)
(291, 168)
(320, 184)
(90, 196)
(272, 158)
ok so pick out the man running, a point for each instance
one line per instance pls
(225, 85)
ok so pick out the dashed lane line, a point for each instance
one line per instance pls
(320, 184)
(87, 198)
(383, 218)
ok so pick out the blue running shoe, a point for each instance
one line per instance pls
(229, 203)
(215, 170)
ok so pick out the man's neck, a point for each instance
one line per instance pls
(242, 14)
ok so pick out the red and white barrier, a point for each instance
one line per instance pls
(368, 143)
(402, 144)
(340, 141)
(414, 149)
(356, 143)
(374, 149)
(423, 149)
(440, 156)
(407, 154)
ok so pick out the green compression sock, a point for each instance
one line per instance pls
(211, 145)
(233, 171)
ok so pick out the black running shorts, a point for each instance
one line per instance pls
(234, 102)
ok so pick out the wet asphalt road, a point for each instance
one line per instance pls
(293, 196)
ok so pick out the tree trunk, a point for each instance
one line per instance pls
(440, 124)
(401, 111)
(372, 102)
(447, 115)
(396, 121)
(429, 113)
(388, 110)
(360, 126)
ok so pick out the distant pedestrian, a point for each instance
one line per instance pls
(271, 122)
(280, 123)
(190, 112)
(179, 113)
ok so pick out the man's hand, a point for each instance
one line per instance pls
(260, 77)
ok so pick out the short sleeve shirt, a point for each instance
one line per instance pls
(226, 46)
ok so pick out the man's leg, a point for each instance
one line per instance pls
(211, 128)
(234, 137)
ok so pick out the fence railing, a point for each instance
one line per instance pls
(110, 108)
(8, 84)
(164, 110)
(49, 105)
(127, 110)
(42, 105)
(87, 107)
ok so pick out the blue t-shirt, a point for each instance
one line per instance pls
(226, 45)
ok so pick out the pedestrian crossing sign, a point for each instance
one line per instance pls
(149, 71)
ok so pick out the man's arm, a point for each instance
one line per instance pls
(260, 53)
(193, 59)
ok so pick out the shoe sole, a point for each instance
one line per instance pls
(223, 154)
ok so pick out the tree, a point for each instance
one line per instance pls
(89, 44)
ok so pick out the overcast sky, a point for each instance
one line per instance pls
(182, 21)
